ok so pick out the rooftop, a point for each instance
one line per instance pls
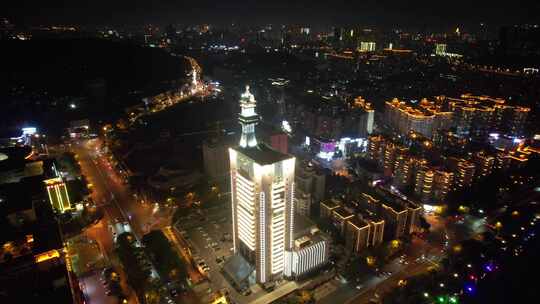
(263, 154)
(238, 269)
(343, 213)
(369, 216)
(423, 109)
(331, 203)
(358, 222)
(309, 239)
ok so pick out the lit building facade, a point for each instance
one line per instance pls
(367, 46)
(376, 148)
(403, 170)
(440, 49)
(308, 254)
(414, 212)
(426, 117)
(58, 194)
(376, 230)
(443, 183)
(472, 116)
(327, 207)
(340, 217)
(424, 184)
(262, 194)
(303, 203)
(433, 184)
(366, 116)
(364, 231)
(463, 172)
(479, 115)
(310, 180)
(395, 217)
(484, 164)
(357, 235)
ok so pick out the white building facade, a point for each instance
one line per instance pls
(262, 194)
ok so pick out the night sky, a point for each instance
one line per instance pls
(368, 12)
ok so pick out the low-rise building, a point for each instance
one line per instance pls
(310, 250)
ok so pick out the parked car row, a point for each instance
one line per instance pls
(111, 282)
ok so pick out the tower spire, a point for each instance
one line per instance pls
(248, 119)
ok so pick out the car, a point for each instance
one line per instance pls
(174, 292)
(360, 286)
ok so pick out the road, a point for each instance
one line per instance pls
(95, 291)
(347, 292)
(181, 248)
(385, 285)
(113, 196)
(100, 232)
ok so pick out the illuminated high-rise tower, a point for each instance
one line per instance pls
(248, 119)
(262, 194)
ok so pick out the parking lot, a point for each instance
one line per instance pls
(209, 234)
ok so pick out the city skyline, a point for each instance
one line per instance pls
(370, 13)
(269, 152)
